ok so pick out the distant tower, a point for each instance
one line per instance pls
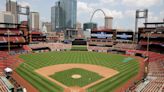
(11, 6)
(48, 26)
(108, 22)
(34, 21)
(44, 29)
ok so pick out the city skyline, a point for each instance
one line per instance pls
(123, 11)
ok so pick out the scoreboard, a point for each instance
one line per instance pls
(127, 36)
(102, 35)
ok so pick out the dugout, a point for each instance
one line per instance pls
(121, 52)
(41, 49)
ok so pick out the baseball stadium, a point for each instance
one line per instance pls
(81, 66)
(109, 60)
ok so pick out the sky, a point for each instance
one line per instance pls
(123, 11)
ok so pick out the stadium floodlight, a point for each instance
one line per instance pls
(8, 37)
(140, 14)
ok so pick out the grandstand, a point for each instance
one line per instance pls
(111, 40)
(12, 35)
(36, 36)
(52, 37)
(3, 86)
(154, 81)
(125, 40)
(6, 85)
(153, 35)
(101, 39)
(51, 46)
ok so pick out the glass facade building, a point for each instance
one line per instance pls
(70, 9)
(64, 15)
(57, 17)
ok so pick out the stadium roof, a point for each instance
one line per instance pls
(154, 23)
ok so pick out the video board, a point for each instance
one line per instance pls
(128, 36)
(102, 35)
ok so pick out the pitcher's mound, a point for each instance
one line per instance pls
(76, 76)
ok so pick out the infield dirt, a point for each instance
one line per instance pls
(103, 71)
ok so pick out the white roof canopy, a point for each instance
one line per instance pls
(8, 69)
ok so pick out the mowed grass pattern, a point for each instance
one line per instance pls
(79, 48)
(65, 77)
(35, 61)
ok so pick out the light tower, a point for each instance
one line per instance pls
(140, 14)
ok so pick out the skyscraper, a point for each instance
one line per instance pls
(34, 21)
(53, 18)
(64, 14)
(11, 6)
(7, 17)
(57, 17)
(70, 11)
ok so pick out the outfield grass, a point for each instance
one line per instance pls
(35, 61)
(79, 48)
(65, 77)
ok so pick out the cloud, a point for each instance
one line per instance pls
(86, 8)
(84, 11)
(161, 16)
(108, 1)
(113, 13)
(116, 14)
(24, 4)
(13, 0)
(2, 7)
(141, 3)
(44, 19)
(152, 17)
(83, 7)
(130, 13)
(123, 11)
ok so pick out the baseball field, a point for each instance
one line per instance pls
(90, 71)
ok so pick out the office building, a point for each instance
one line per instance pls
(57, 17)
(6, 17)
(53, 18)
(64, 14)
(34, 21)
(48, 25)
(70, 8)
(89, 25)
(11, 6)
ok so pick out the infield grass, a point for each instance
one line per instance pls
(65, 77)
